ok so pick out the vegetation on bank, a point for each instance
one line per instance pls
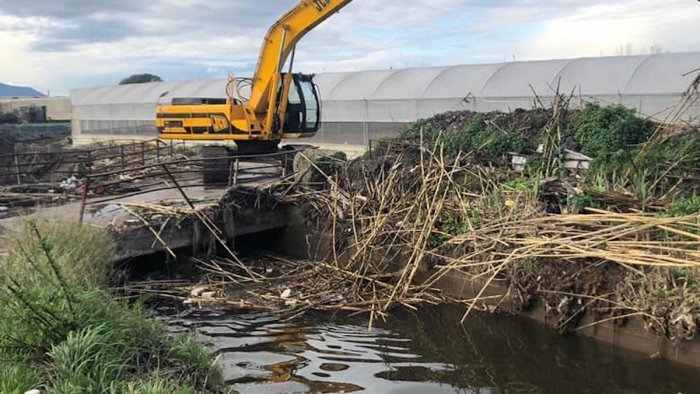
(640, 170)
(615, 241)
(629, 153)
(62, 332)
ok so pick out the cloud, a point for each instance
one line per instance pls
(64, 44)
(631, 27)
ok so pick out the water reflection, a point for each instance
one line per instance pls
(419, 353)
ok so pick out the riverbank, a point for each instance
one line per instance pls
(590, 216)
(62, 331)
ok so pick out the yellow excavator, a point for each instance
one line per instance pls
(281, 105)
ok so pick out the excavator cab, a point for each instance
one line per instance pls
(303, 106)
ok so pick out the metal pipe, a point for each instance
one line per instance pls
(291, 61)
(280, 62)
(172, 178)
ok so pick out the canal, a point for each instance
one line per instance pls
(421, 352)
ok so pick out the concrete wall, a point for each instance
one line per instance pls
(58, 109)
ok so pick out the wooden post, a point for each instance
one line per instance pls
(84, 199)
(235, 172)
(19, 179)
(143, 153)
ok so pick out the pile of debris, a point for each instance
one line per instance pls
(417, 223)
(288, 288)
(609, 242)
(528, 123)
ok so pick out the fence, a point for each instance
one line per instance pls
(44, 163)
(180, 175)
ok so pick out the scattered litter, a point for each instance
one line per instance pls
(199, 291)
(286, 294)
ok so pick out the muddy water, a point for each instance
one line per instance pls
(424, 352)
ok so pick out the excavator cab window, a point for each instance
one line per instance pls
(303, 109)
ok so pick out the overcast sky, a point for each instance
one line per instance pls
(59, 45)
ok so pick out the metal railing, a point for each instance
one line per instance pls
(180, 175)
(45, 162)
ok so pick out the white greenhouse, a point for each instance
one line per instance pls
(359, 106)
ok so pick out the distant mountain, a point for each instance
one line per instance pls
(18, 91)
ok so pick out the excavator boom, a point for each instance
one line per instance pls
(281, 41)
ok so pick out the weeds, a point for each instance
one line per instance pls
(477, 135)
(73, 336)
(580, 202)
(684, 207)
(89, 360)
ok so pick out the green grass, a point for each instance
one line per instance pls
(73, 336)
(18, 378)
(155, 386)
(89, 360)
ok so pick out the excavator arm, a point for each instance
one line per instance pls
(279, 43)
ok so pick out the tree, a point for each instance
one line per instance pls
(141, 78)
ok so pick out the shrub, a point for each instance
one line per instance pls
(487, 141)
(604, 131)
(610, 135)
